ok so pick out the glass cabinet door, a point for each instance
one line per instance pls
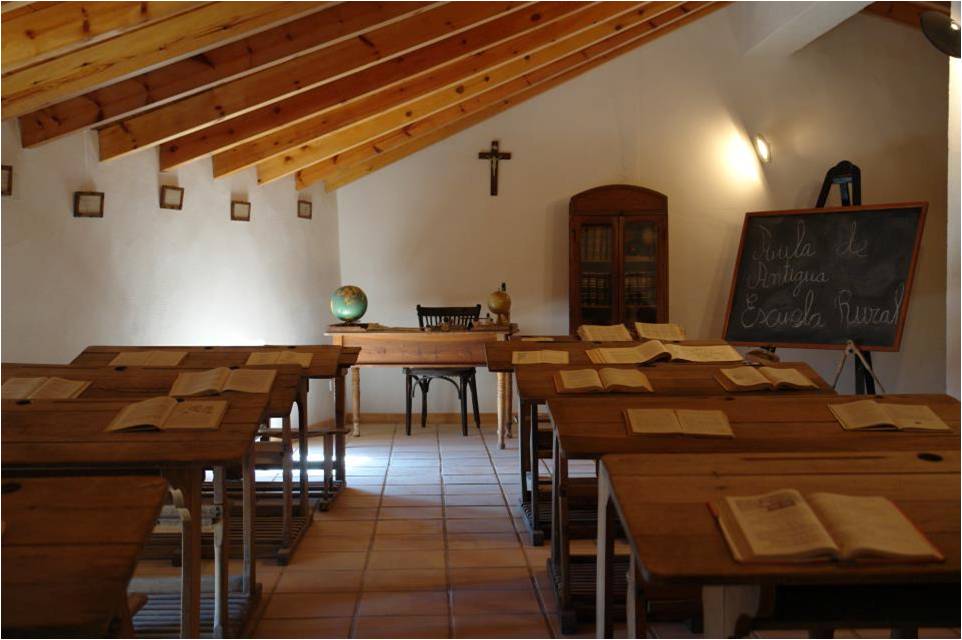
(640, 293)
(597, 275)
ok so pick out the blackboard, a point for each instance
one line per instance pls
(819, 277)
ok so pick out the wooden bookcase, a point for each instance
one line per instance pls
(618, 256)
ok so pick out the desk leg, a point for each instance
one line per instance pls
(501, 408)
(636, 607)
(534, 462)
(724, 605)
(523, 446)
(287, 481)
(188, 482)
(221, 555)
(604, 586)
(509, 404)
(302, 449)
(339, 444)
(250, 504)
(356, 400)
(564, 543)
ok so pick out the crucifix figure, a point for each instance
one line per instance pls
(494, 156)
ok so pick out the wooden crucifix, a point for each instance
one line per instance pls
(494, 156)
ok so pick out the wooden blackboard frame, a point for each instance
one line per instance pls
(879, 208)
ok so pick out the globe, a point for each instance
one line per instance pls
(348, 303)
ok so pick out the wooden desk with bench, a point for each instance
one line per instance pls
(660, 501)
(413, 347)
(589, 428)
(68, 437)
(69, 549)
(535, 387)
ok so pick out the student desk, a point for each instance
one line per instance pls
(413, 347)
(67, 437)
(535, 387)
(69, 549)
(588, 428)
(660, 502)
(138, 382)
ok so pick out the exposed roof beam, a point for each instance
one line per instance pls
(358, 163)
(338, 141)
(294, 76)
(556, 20)
(40, 85)
(200, 71)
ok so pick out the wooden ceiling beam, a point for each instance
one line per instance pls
(44, 29)
(333, 143)
(289, 78)
(383, 76)
(557, 20)
(200, 71)
(40, 85)
(364, 160)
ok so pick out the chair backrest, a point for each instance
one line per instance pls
(459, 317)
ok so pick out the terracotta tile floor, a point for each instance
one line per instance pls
(427, 542)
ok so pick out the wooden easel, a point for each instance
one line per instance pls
(844, 174)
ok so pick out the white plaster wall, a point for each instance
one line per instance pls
(146, 275)
(952, 362)
(671, 116)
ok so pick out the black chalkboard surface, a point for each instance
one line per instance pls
(819, 277)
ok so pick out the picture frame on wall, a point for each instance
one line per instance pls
(7, 180)
(88, 204)
(240, 211)
(305, 209)
(171, 197)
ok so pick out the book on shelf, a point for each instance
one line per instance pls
(681, 422)
(762, 378)
(664, 331)
(42, 388)
(164, 413)
(601, 380)
(539, 357)
(785, 526)
(153, 358)
(604, 333)
(212, 381)
(280, 357)
(871, 415)
(655, 350)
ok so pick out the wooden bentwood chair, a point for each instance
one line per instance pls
(458, 318)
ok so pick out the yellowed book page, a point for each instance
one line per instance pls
(554, 357)
(707, 353)
(194, 383)
(251, 380)
(131, 359)
(165, 358)
(60, 389)
(914, 417)
(579, 380)
(604, 333)
(595, 356)
(707, 424)
(296, 357)
(152, 413)
(792, 378)
(646, 352)
(746, 378)
(781, 524)
(537, 339)
(866, 526)
(862, 414)
(624, 380)
(197, 415)
(526, 357)
(665, 331)
(20, 388)
(263, 357)
(653, 421)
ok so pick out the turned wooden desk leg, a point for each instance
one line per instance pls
(604, 583)
(188, 482)
(302, 450)
(501, 409)
(724, 605)
(287, 481)
(247, 522)
(221, 555)
(356, 400)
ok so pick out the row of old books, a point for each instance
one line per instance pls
(640, 288)
(596, 289)
(596, 244)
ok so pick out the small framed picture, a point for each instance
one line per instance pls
(7, 180)
(305, 209)
(88, 204)
(171, 197)
(240, 210)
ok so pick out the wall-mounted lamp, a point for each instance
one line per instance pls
(763, 149)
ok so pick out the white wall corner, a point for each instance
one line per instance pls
(782, 28)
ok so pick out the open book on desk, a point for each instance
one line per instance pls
(710, 423)
(155, 358)
(870, 415)
(604, 333)
(784, 526)
(543, 356)
(164, 413)
(42, 388)
(257, 358)
(762, 378)
(665, 331)
(655, 350)
(213, 381)
(601, 380)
